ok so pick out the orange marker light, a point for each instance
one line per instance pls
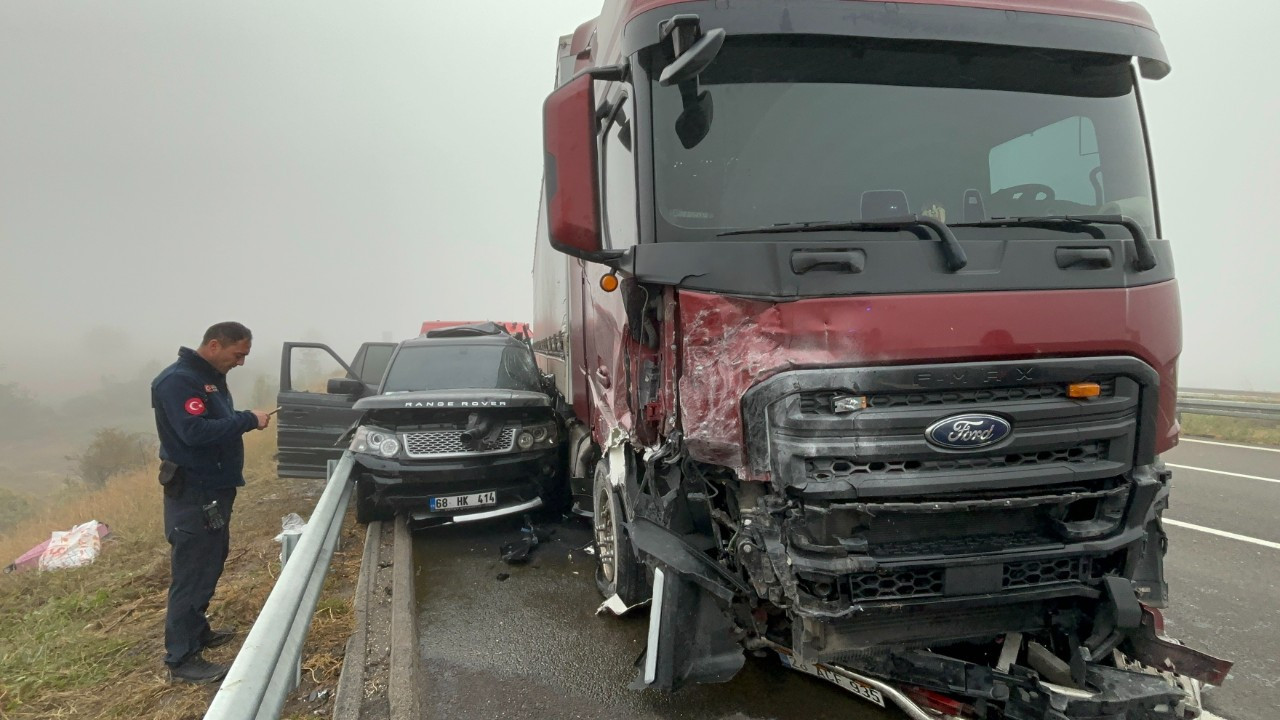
(609, 283)
(1084, 390)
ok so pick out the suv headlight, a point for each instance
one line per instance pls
(537, 436)
(372, 440)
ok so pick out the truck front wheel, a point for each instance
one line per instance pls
(617, 570)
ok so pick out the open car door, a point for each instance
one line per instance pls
(311, 420)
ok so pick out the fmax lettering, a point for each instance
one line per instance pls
(969, 377)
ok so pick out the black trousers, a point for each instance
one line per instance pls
(196, 559)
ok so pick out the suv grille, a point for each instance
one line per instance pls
(437, 443)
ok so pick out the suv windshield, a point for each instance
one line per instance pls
(809, 128)
(455, 366)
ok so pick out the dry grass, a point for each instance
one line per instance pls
(1236, 430)
(88, 642)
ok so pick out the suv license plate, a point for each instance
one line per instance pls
(458, 502)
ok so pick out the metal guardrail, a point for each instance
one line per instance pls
(268, 666)
(1205, 404)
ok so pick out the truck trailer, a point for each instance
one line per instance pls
(867, 329)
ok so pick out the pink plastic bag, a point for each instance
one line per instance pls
(72, 548)
(31, 558)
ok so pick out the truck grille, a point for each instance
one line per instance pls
(931, 582)
(441, 443)
(1032, 573)
(821, 402)
(872, 485)
(901, 584)
(829, 468)
(882, 450)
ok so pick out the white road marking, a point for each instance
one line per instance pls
(1223, 472)
(1230, 445)
(1223, 533)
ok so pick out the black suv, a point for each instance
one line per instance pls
(460, 428)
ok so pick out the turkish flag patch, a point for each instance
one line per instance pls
(194, 406)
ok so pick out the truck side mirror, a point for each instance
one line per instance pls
(345, 386)
(571, 171)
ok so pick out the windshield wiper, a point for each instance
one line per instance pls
(1144, 256)
(951, 249)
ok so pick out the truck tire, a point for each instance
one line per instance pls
(366, 509)
(617, 570)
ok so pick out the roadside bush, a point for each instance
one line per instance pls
(112, 452)
(13, 508)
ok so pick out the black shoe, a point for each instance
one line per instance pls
(196, 669)
(216, 638)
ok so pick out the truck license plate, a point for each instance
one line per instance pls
(458, 502)
(863, 691)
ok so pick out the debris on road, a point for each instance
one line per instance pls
(618, 606)
(517, 551)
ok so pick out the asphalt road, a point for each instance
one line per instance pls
(523, 641)
(531, 646)
(1225, 591)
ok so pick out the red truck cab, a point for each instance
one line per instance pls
(870, 334)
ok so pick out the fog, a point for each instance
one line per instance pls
(343, 171)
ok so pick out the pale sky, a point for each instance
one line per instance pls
(338, 171)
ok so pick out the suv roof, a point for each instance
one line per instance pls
(462, 339)
(477, 329)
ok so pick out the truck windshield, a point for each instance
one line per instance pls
(807, 128)
(455, 366)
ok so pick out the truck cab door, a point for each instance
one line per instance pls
(311, 420)
(604, 317)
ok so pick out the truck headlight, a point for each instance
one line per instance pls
(372, 440)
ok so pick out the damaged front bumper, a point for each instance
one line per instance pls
(865, 548)
(520, 482)
(925, 685)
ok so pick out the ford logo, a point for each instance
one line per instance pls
(968, 432)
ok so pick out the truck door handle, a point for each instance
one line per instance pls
(1083, 258)
(604, 377)
(841, 261)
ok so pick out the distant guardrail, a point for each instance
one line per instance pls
(268, 666)
(1199, 403)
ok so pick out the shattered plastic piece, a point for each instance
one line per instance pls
(76, 547)
(291, 527)
(617, 606)
(291, 524)
(517, 551)
(318, 696)
(589, 548)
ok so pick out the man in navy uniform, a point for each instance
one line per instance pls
(202, 456)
